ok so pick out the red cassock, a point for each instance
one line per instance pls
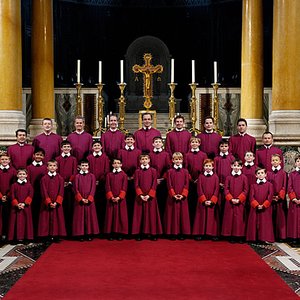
(210, 143)
(144, 138)
(85, 217)
(176, 217)
(193, 162)
(161, 162)
(20, 221)
(51, 221)
(116, 219)
(249, 171)
(264, 156)
(7, 178)
(178, 141)
(146, 218)
(50, 143)
(293, 218)
(260, 226)
(279, 181)
(130, 160)
(112, 142)
(234, 219)
(223, 166)
(239, 145)
(67, 167)
(21, 156)
(99, 166)
(81, 144)
(207, 217)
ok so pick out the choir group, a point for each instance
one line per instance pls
(122, 185)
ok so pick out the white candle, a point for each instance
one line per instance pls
(100, 72)
(78, 70)
(122, 70)
(193, 71)
(105, 122)
(172, 125)
(172, 70)
(215, 72)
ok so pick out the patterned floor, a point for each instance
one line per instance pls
(16, 259)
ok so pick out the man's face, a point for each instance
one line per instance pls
(21, 137)
(47, 125)
(113, 122)
(241, 127)
(79, 124)
(267, 139)
(147, 120)
(179, 123)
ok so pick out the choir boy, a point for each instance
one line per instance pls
(293, 218)
(116, 219)
(20, 220)
(206, 223)
(85, 223)
(146, 218)
(236, 191)
(176, 217)
(99, 166)
(264, 154)
(249, 167)
(51, 220)
(242, 141)
(48, 140)
(278, 178)
(209, 138)
(8, 176)
(178, 140)
(260, 226)
(67, 168)
(113, 139)
(21, 152)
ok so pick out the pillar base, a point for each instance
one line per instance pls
(10, 121)
(35, 127)
(284, 124)
(256, 127)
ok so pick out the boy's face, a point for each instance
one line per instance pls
(241, 127)
(209, 124)
(158, 144)
(260, 174)
(275, 161)
(47, 125)
(224, 148)
(117, 164)
(236, 167)
(195, 144)
(79, 125)
(297, 163)
(208, 167)
(113, 122)
(179, 123)
(38, 156)
(177, 161)
(249, 157)
(129, 141)
(4, 160)
(21, 137)
(267, 139)
(84, 167)
(22, 175)
(66, 149)
(144, 160)
(52, 167)
(97, 147)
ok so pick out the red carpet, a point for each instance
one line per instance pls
(150, 270)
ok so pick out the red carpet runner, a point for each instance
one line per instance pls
(150, 270)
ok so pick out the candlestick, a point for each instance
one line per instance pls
(100, 105)
(172, 104)
(78, 70)
(122, 70)
(172, 70)
(215, 72)
(193, 106)
(78, 99)
(216, 106)
(193, 71)
(122, 104)
(100, 72)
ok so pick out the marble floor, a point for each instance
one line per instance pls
(15, 260)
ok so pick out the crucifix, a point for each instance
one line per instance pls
(147, 70)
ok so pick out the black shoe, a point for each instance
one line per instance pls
(110, 238)
(215, 239)
(198, 238)
(153, 238)
(180, 238)
(119, 238)
(89, 238)
(138, 238)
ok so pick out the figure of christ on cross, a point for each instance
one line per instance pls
(147, 70)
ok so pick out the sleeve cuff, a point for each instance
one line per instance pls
(281, 194)
(242, 197)
(109, 195)
(267, 203)
(185, 192)
(292, 195)
(138, 191)
(122, 195)
(59, 200)
(152, 193)
(172, 192)
(254, 203)
(14, 202)
(90, 198)
(78, 197)
(28, 200)
(202, 199)
(47, 201)
(214, 199)
(228, 197)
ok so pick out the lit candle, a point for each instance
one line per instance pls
(105, 122)
(100, 72)
(78, 70)
(172, 70)
(122, 70)
(193, 71)
(215, 72)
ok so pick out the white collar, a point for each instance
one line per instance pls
(236, 173)
(47, 133)
(157, 150)
(147, 128)
(66, 154)
(297, 169)
(129, 148)
(35, 163)
(207, 131)
(249, 164)
(4, 168)
(21, 144)
(277, 168)
(242, 134)
(222, 154)
(117, 170)
(211, 173)
(268, 146)
(79, 132)
(82, 173)
(179, 129)
(52, 174)
(177, 167)
(195, 150)
(145, 167)
(113, 130)
(261, 180)
(99, 153)
(21, 181)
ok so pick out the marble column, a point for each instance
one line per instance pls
(285, 114)
(42, 64)
(11, 115)
(252, 67)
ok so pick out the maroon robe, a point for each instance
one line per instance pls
(239, 145)
(193, 162)
(20, 221)
(51, 221)
(116, 219)
(250, 174)
(293, 218)
(223, 166)
(67, 167)
(264, 156)
(85, 217)
(178, 141)
(130, 160)
(81, 144)
(161, 162)
(176, 217)
(207, 217)
(210, 143)
(21, 156)
(50, 143)
(144, 138)
(112, 142)
(99, 166)
(260, 225)
(234, 219)
(279, 181)
(146, 218)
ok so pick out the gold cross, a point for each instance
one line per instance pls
(147, 70)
